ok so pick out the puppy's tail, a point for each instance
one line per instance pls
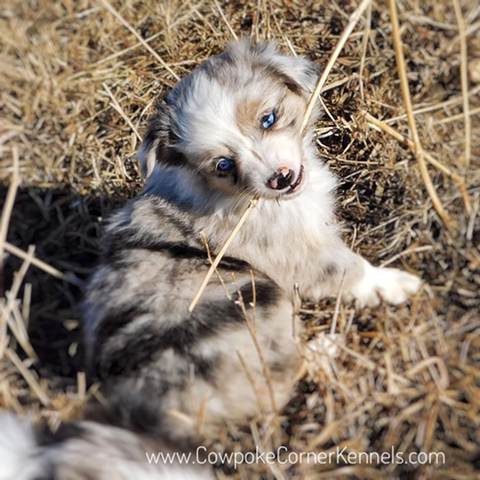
(89, 450)
(18, 449)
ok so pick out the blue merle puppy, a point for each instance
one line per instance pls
(229, 131)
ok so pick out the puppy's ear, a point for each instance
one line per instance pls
(302, 71)
(159, 144)
(298, 72)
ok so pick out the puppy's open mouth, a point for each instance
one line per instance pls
(297, 184)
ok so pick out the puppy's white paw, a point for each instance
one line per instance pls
(389, 284)
(326, 344)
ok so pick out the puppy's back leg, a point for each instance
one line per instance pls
(206, 366)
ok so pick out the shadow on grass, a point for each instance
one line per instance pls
(64, 227)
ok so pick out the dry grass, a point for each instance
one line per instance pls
(77, 88)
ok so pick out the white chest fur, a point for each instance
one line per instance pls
(283, 239)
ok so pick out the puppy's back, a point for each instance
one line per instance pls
(143, 343)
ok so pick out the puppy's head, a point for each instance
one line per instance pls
(236, 122)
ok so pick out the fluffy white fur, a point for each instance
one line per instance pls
(18, 448)
(104, 453)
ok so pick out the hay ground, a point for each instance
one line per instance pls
(76, 91)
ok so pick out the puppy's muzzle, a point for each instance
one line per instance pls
(282, 179)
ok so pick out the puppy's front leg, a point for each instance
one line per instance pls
(364, 283)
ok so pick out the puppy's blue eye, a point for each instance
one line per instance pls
(268, 120)
(225, 165)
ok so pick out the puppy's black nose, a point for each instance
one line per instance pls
(282, 179)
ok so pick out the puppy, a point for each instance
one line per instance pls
(229, 131)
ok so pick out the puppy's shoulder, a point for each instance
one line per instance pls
(149, 215)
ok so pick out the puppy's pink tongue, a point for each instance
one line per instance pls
(298, 183)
